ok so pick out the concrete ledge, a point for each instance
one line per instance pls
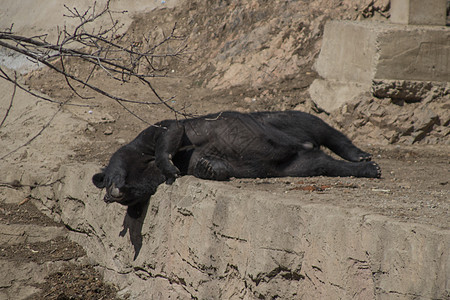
(210, 240)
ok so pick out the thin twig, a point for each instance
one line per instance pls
(24, 201)
(104, 49)
(69, 84)
(5, 76)
(94, 88)
(15, 184)
(35, 136)
(10, 102)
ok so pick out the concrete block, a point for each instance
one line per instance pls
(362, 52)
(419, 12)
(348, 52)
(413, 53)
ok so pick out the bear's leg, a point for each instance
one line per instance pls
(342, 146)
(317, 163)
(168, 141)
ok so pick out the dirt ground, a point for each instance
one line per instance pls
(71, 280)
(415, 178)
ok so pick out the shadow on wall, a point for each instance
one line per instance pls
(448, 12)
(134, 227)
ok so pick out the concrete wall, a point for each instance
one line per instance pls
(355, 55)
(419, 12)
(363, 51)
(209, 240)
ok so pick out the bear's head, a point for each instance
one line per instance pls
(129, 179)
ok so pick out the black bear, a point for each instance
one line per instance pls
(229, 144)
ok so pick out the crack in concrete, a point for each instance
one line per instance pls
(301, 254)
(216, 233)
(413, 295)
(199, 267)
(77, 230)
(284, 272)
(185, 212)
(336, 285)
(178, 280)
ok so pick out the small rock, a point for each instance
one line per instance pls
(344, 109)
(248, 100)
(381, 190)
(108, 131)
(425, 119)
(90, 128)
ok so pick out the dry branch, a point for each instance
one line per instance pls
(10, 102)
(5, 76)
(34, 136)
(104, 49)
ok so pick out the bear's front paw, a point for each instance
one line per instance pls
(171, 179)
(171, 172)
(204, 169)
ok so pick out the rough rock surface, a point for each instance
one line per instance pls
(396, 121)
(254, 43)
(410, 91)
(211, 240)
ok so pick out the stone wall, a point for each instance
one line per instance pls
(358, 58)
(209, 240)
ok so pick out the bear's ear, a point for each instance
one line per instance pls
(98, 180)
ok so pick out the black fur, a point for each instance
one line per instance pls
(229, 144)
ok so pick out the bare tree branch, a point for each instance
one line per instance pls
(103, 48)
(34, 137)
(5, 76)
(10, 102)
